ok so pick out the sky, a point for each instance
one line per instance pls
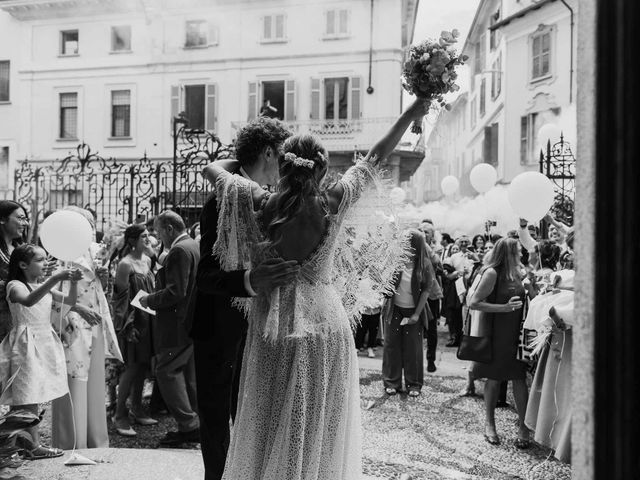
(437, 15)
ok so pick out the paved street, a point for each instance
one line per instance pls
(435, 436)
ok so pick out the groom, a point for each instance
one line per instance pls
(219, 330)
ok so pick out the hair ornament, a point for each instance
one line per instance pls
(299, 161)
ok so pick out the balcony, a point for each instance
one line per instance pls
(343, 135)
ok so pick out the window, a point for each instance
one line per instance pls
(494, 35)
(4, 80)
(337, 23)
(198, 102)
(69, 42)
(273, 28)
(541, 54)
(477, 66)
(335, 98)
(4, 168)
(483, 96)
(273, 99)
(121, 113)
(474, 113)
(528, 132)
(69, 116)
(121, 39)
(483, 52)
(496, 77)
(196, 34)
(490, 146)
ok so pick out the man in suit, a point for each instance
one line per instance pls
(219, 330)
(175, 367)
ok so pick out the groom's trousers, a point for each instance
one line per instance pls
(218, 364)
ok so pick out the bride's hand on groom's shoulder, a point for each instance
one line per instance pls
(272, 273)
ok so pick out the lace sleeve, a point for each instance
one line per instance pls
(238, 230)
(370, 246)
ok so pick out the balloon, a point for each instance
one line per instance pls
(549, 132)
(66, 235)
(483, 177)
(531, 195)
(397, 195)
(449, 185)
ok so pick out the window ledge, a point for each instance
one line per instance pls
(342, 36)
(67, 139)
(199, 47)
(274, 40)
(5, 102)
(65, 55)
(541, 79)
(115, 139)
(119, 52)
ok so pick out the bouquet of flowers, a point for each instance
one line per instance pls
(430, 73)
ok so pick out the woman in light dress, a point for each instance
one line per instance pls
(299, 403)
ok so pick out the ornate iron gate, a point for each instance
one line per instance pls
(559, 165)
(129, 190)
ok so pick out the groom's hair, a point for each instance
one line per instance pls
(258, 134)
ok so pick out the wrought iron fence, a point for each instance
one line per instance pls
(129, 190)
(558, 163)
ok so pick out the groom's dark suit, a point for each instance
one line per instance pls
(219, 332)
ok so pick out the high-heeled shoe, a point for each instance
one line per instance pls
(142, 420)
(123, 427)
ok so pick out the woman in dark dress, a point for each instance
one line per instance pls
(133, 326)
(500, 294)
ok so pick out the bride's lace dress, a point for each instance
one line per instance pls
(299, 404)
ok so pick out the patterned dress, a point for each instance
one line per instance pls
(299, 402)
(33, 353)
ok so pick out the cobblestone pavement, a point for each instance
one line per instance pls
(435, 436)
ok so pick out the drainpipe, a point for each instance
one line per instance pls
(370, 88)
(571, 71)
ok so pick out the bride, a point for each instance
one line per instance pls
(299, 404)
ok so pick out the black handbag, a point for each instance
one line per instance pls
(476, 349)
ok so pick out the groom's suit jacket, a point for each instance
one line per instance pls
(213, 315)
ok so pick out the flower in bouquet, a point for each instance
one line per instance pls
(430, 70)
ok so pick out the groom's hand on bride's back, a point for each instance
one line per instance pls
(273, 273)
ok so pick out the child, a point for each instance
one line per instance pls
(32, 352)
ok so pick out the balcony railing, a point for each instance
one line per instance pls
(342, 135)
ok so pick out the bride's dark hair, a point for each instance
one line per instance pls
(302, 168)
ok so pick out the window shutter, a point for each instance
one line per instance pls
(486, 145)
(290, 101)
(175, 101)
(210, 107)
(279, 27)
(329, 22)
(356, 95)
(253, 101)
(213, 34)
(524, 139)
(315, 99)
(343, 27)
(266, 27)
(494, 144)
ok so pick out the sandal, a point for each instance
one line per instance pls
(492, 439)
(390, 391)
(42, 452)
(414, 393)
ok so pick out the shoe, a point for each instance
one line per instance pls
(431, 366)
(192, 436)
(123, 428)
(522, 443)
(142, 420)
(468, 392)
(502, 404)
(453, 343)
(370, 353)
(390, 391)
(414, 393)
(41, 452)
(173, 438)
(492, 439)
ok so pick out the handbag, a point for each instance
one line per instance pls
(476, 348)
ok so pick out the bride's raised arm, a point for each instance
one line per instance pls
(358, 176)
(214, 170)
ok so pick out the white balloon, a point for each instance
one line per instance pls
(483, 177)
(397, 195)
(66, 235)
(531, 195)
(549, 132)
(449, 185)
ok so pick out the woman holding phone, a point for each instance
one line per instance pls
(405, 318)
